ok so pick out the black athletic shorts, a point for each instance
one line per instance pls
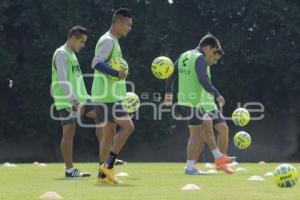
(109, 111)
(194, 116)
(69, 115)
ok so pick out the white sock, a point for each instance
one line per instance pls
(190, 164)
(70, 169)
(217, 153)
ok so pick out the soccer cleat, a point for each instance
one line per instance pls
(222, 164)
(72, 174)
(194, 171)
(223, 160)
(233, 158)
(225, 168)
(119, 162)
(109, 173)
(104, 181)
(102, 178)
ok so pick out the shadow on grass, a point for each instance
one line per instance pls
(114, 185)
(73, 179)
(134, 179)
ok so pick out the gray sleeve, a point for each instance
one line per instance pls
(61, 65)
(203, 77)
(103, 53)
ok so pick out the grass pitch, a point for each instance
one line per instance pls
(153, 181)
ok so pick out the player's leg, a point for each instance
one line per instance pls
(68, 121)
(90, 113)
(108, 132)
(208, 134)
(200, 145)
(222, 137)
(99, 135)
(222, 132)
(193, 147)
(66, 144)
(221, 160)
(105, 138)
(221, 128)
(106, 175)
(194, 140)
(126, 128)
(123, 120)
(116, 115)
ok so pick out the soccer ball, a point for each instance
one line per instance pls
(240, 117)
(242, 140)
(285, 175)
(118, 64)
(131, 102)
(162, 67)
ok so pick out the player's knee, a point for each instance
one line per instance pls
(226, 129)
(128, 128)
(67, 140)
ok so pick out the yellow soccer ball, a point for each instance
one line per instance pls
(242, 140)
(131, 102)
(162, 67)
(285, 175)
(118, 64)
(240, 117)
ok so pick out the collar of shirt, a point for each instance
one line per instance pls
(112, 36)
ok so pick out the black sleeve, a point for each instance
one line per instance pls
(203, 77)
(171, 80)
(102, 67)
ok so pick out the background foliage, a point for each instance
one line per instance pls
(260, 39)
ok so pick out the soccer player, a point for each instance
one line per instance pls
(196, 97)
(69, 93)
(108, 90)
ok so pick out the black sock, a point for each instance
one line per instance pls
(111, 160)
(100, 173)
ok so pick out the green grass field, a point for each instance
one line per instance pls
(157, 181)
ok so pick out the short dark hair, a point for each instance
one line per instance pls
(77, 31)
(121, 12)
(212, 41)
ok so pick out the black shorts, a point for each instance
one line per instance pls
(109, 111)
(69, 115)
(194, 116)
(216, 117)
